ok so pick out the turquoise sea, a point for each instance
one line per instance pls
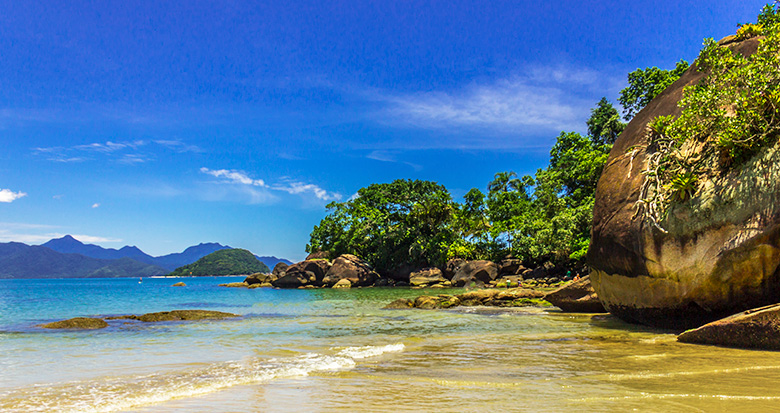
(336, 350)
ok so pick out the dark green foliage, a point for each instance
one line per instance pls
(223, 262)
(645, 84)
(604, 124)
(389, 225)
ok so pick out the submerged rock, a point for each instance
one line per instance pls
(400, 304)
(242, 284)
(576, 297)
(77, 323)
(715, 254)
(440, 301)
(179, 284)
(757, 328)
(184, 315)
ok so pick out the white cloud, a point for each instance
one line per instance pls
(391, 156)
(233, 176)
(91, 239)
(129, 152)
(95, 205)
(109, 146)
(257, 189)
(7, 195)
(293, 187)
(539, 101)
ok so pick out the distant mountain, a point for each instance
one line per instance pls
(24, 261)
(223, 262)
(272, 261)
(69, 257)
(188, 256)
(70, 245)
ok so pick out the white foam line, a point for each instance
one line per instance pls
(122, 393)
(618, 377)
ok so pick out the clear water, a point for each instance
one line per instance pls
(336, 350)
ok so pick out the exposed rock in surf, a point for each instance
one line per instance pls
(77, 323)
(179, 284)
(758, 328)
(184, 315)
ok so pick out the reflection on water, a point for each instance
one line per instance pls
(324, 350)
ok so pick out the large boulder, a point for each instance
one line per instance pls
(713, 255)
(352, 268)
(260, 278)
(426, 276)
(452, 266)
(279, 269)
(758, 328)
(304, 273)
(576, 297)
(510, 266)
(476, 273)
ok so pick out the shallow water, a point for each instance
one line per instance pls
(335, 350)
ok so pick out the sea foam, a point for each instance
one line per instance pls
(121, 393)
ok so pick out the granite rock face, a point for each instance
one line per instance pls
(576, 297)
(351, 268)
(758, 328)
(713, 255)
(477, 273)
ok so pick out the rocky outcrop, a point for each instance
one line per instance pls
(511, 266)
(576, 297)
(77, 323)
(343, 283)
(352, 268)
(304, 273)
(475, 273)
(183, 315)
(452, 266)
(518, 297)
(261, 278)
(758, 328)
(426, 276)
(715, 254)
(279, 269)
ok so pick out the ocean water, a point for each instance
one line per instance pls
(336, 350)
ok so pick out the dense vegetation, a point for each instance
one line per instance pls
(233, 261)
(547, 216)
(730, 115)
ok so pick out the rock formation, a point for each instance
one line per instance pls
(576, 297)
(758, 328)
(714, 255)
(352, 268)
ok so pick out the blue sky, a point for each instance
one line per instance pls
(166, 124)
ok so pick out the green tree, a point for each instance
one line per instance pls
(645, 84)
(389, 225)
(604, 124)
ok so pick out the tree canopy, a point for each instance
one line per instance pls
(645, 84)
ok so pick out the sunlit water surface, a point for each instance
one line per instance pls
(336, 350)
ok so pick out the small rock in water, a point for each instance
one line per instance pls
(758, 328)
(78, 323)
(181, 315)
(179, 284)
(235, 285)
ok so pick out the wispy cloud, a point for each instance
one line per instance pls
(127, 152)
(7, 195)
(392, 157)
(260, 192)
(95, 205)
(294, 187)
(233, 176)
(540, 100)
(179, 146)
